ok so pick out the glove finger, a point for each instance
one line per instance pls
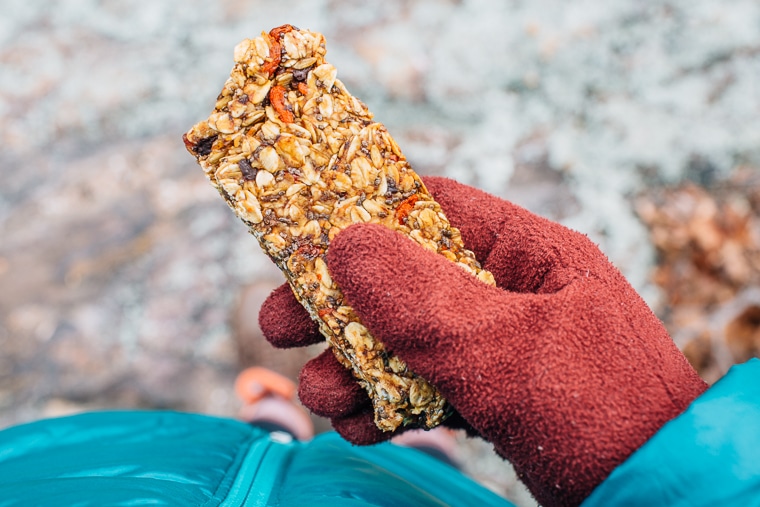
(285, 323)
(359, 428)
(328, 389)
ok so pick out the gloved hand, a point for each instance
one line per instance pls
(563, 367)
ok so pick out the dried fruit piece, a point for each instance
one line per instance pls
(275, 49)
(302, 160)
(277, 98)
(402, 212)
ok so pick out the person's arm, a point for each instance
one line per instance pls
(563, 367)
(709, 455)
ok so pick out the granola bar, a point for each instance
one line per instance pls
(298, 159)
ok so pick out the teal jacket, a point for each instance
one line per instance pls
(710, 455)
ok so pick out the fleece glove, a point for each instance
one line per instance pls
(562, 366)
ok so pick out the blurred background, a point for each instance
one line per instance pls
(126, 282)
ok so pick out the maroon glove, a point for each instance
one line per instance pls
(563, 367)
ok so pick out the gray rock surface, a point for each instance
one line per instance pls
(117, 291)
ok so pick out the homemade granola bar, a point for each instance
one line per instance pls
(298, 159)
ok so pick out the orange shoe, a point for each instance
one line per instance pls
(269, 400)
(254, 383)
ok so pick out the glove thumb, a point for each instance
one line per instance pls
(419, 304)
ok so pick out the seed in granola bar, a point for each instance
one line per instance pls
(392, 189)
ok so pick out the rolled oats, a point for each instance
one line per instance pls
(298, 159)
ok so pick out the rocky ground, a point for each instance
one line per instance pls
(126, 282)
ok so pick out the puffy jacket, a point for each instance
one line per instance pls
(167, 458)
(707, 456)
(710, 455)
